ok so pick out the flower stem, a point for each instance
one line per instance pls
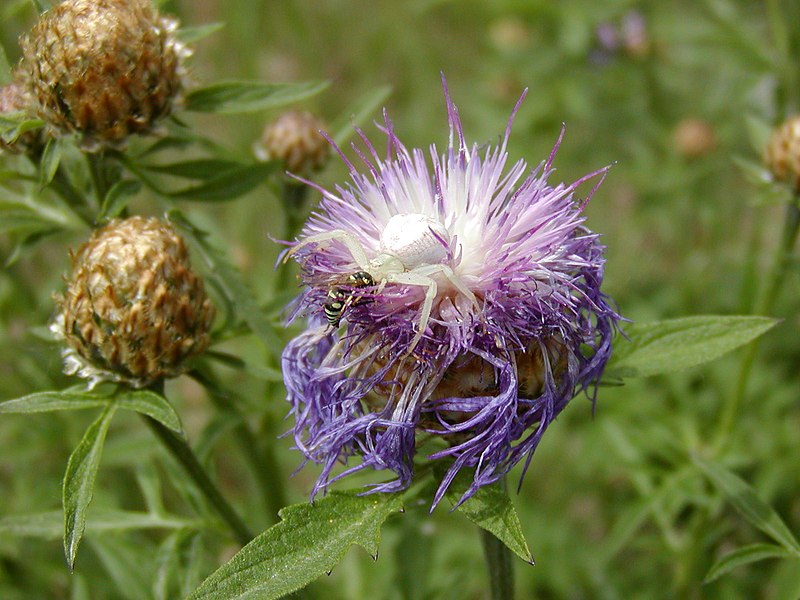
(763, 306)
(294, 199)
(501, 569)
(186, 457)
(261, 458)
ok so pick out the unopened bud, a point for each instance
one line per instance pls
(103, 68)
(782, 154)
(694, 138)
(295, 138)
(133, 311)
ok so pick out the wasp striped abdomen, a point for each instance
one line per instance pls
(339, 298)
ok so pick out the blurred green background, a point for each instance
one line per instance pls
(677, 96)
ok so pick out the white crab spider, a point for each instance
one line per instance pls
(412, 250)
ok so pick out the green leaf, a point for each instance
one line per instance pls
(50, 525)
(12, 128)
(22, 220)
(190, 35)
(746, 555)
(173, 560)
(206, 168)
(142, 401)
(117, 554)
(79, 482)
(668, 346)
(745, 500)
(153, 405)
(309, 541)
(52, 401)
(231, 279)
(491, 509)
(118, 197)
(5, 67)
(343, 128)
(241, 96)
(51, 158)
(227, 185)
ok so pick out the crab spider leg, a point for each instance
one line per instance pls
(452, 277)
(350, 242)
(427, 305)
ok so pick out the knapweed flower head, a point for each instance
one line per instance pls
(133, 311)
(456, 298)
(104, 69)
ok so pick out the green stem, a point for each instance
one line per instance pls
(294, 199)
(501, 569)
(261, 458)
(763, 306)
(184, 455)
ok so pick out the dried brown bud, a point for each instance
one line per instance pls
(782, 154)
(295, 138)
(694, 138)
(103, 68)
(133, 311)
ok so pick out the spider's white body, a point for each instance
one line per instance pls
(413, 248)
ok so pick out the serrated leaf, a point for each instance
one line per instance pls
(50, 525)
(118, 197)
(747, 502)
(241, 96)
(491, 509)
(79, 482)
(668, 346)
(203, 169)
(309, 541)
(746, 555)
(51, 159)
(227, 185)
(190, 35)
(153, 405)
(236, 288)
(342, 129)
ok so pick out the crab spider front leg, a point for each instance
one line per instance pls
(427, 304)
(351, 243)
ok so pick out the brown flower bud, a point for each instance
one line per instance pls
(103, 68)
(782, 154)
(295, 138)
(694, 138)
(133, 311)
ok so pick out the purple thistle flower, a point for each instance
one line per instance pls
(456, 300)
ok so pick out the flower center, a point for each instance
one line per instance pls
(416, 240)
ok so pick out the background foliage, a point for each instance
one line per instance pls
(615, 505)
